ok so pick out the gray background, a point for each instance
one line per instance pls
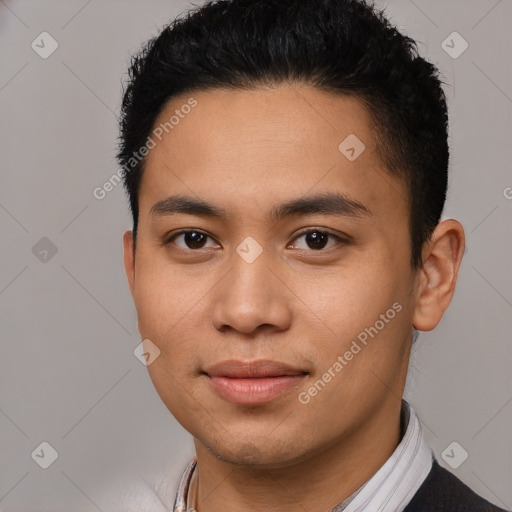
(68, 375)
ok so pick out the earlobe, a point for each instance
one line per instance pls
(129, 259)
(441, 263)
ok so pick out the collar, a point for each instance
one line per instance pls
(388, 490)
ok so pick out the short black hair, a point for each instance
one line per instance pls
(346, 47)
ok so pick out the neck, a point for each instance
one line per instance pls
(317, 483)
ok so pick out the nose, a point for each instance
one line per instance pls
(253, 296)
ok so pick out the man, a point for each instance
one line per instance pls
(286, 165)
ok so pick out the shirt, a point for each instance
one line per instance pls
(390, 489)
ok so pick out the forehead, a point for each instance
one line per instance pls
(266, 144)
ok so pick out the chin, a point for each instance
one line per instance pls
(258, 455)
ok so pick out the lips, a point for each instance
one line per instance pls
(252, 369)
(253, 382)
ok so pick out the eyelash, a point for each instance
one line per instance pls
(337, 238)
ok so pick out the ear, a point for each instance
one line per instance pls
(442, 257)
(129, 259)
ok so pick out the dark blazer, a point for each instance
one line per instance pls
(444, 492)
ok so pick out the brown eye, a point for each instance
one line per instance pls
(191, 239)
(317, 240)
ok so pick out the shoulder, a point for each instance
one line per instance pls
(442, 491)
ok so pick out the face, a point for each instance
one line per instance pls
(322, 285)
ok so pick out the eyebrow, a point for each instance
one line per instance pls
(329, 203)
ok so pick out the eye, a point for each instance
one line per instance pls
(192, 239)
(317, 239)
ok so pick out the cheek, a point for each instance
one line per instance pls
(353, 296)
(362, 304)
(150, 302)
(163, 318)
(159, 295)
(361, 361)
(167, 310)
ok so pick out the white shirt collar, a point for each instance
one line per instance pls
(388, 490)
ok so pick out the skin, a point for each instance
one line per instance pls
(248, 151)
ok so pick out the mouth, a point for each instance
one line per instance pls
(254, 382)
